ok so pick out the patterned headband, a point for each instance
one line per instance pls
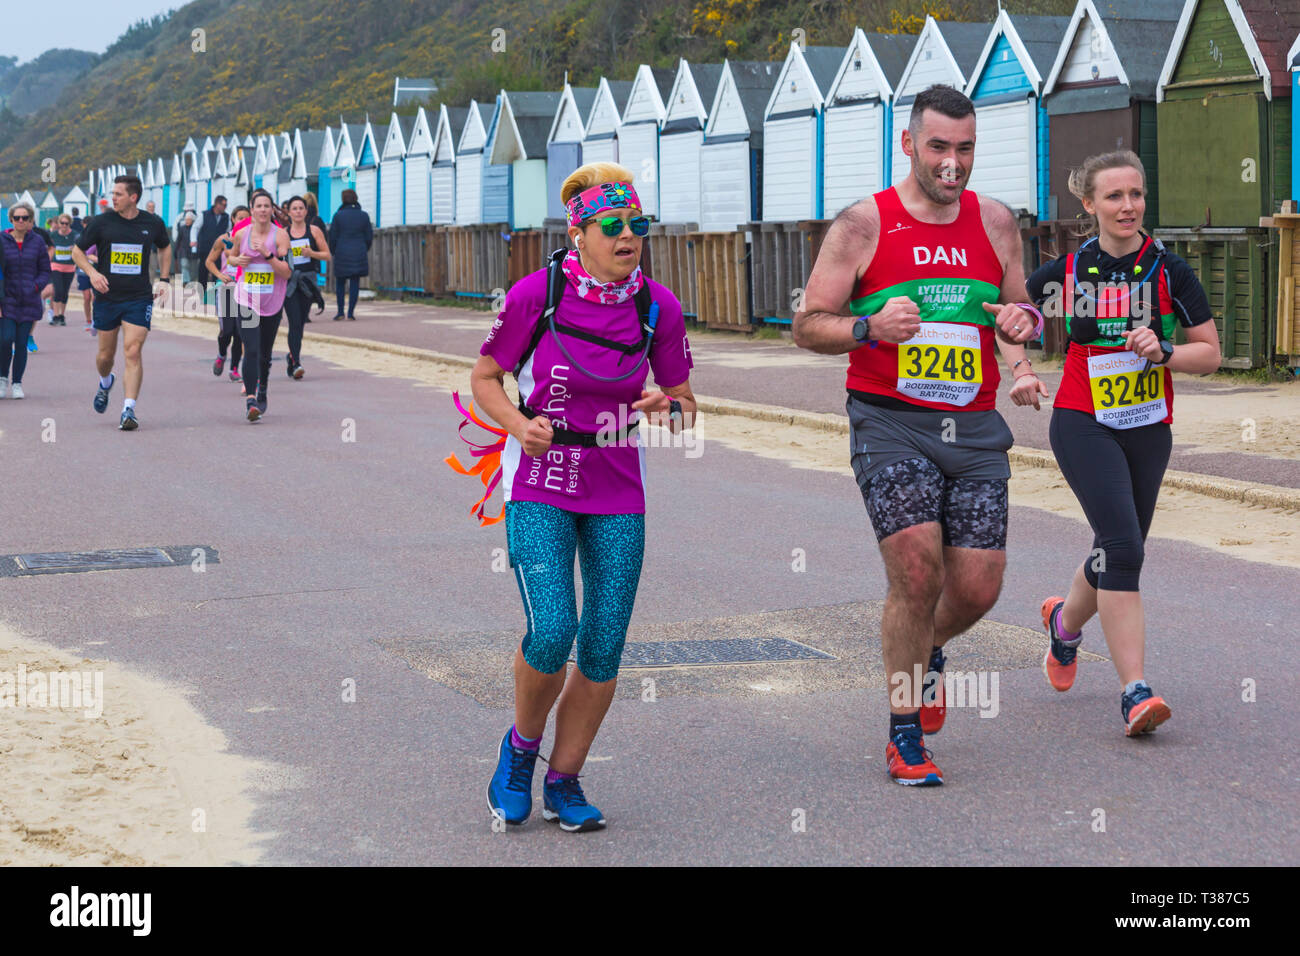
(607, 196)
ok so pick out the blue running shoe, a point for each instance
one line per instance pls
(510, 792)
(128, 422)
(563, 801)
(31, 344)
(101, 396)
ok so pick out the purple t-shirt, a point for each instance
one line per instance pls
(600, 480)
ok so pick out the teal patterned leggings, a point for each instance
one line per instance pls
(543, 540)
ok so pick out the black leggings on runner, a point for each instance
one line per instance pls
(1115, 474)
(228, 324)
(258, 340)
(354, 288)
(296, 307)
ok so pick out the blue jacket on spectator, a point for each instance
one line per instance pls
(26, 272)
(349, 238)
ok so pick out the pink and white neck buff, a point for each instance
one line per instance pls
(592, 289)
(590, 203)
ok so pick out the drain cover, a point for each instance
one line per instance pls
(112, 559)
(736, 650)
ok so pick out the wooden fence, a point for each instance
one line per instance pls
(1232, 265)
(1287, 339)
(743, 279)
(477, 259)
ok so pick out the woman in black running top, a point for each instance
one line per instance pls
(307, 247)
(227, 310)
(1122, 296)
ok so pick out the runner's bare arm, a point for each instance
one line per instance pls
(81, 260)
(322, 252)
(165, 261)
(1004, 236)
(824, 324)
(487, 383)
(214, 257)
(280, 265)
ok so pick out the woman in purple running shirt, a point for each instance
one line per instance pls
(573, 474)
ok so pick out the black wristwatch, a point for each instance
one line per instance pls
(862, 329)
(675, 409)
(1167, 348)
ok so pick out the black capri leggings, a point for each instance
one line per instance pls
(296, 307)
(62, 282)
(228, 324)
(258, 338)
(1115, 474)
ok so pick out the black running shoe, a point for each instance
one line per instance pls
(218, 365)
(252, 411)
(101, 396)
(261, 401)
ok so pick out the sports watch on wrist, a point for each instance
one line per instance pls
(675, 409)
(862, 329)
(1167, 348)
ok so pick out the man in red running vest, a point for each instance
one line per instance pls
(917, 283)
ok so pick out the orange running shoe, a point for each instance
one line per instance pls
(1143, 711)
(934, 711)
(910, 763)
(1059, 664)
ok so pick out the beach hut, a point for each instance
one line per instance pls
(344, 173)
(392, 180)
(469, 164)
(681, 135)
(77, 201)
(638, 132)
(416, 171)
(858, 141)
(259, 163)
(600, 131)
(944, 53)
(1293, 62)
(293, 169)
(173, 195)
(191, 169)
(48, 207)
(1011, 161)
(271, 165)
(1101, 93)
(321, 159)
(311, 143)
(368, 156)
(442, 163)
(793, 133)
(517, 144)
(1223, 115)
(564, 142)
(732, 150)
(239, 190)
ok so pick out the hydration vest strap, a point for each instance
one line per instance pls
(555, 291)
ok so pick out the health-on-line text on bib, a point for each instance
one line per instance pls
(941, 363)
(1123, 395)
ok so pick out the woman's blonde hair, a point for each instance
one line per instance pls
(593, 174)
(1083, 179)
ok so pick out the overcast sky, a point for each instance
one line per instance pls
(31, 28)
